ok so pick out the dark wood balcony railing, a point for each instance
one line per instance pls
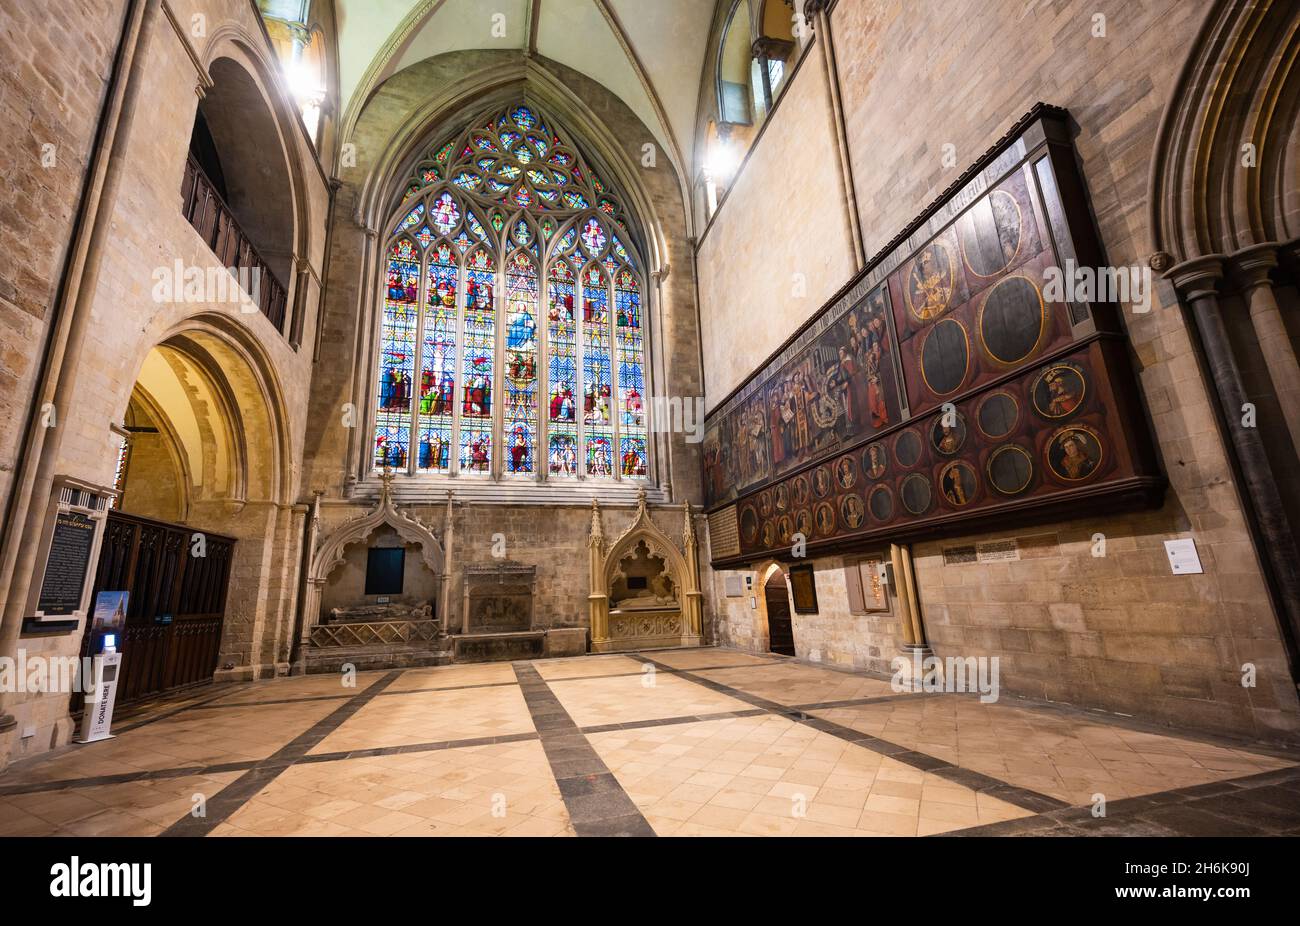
(212, 219)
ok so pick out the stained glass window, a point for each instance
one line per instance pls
(562, 333)
(397, 355)
(631, 374)
(597, 386)
(477, 369)
(521, 363)
(438, 362)
(554, 373)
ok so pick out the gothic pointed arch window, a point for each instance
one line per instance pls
(512, 336)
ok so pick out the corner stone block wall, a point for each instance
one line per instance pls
(1121, 632)
(833, 636)
(51, 93)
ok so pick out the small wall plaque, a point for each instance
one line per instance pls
(1183, 558)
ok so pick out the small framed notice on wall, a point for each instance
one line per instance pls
(803, 589)
(69, 548)
(1183, 558)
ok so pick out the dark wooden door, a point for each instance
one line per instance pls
(780, 629)
(152, 561)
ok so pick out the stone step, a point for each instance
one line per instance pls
(331, 659)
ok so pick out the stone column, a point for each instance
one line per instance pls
(899, 591)
(913, 600)
(1251, 269)
(693, 598)
(1197, 282)
(598, 596)
(444, 580)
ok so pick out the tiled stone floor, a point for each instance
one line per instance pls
(686, 742)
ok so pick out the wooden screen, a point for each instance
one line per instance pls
(176, 607)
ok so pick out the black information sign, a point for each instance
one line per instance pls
(65, 569)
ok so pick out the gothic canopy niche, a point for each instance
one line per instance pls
(329, 552)
(644, 590)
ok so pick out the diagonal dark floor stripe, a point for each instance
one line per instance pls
(597, 803)
(1019, 797)
(1263, 804)
(236, 794)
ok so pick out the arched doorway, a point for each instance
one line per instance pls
(780, 627)
(201, 487)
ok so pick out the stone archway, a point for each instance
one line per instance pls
(762, 629)
(216, 394)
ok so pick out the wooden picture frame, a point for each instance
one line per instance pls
(803, 589)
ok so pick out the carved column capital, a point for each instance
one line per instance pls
(1198, 278)
(1251, 266)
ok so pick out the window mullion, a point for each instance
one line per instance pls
(458, 369)
(497, 468)
(615, 394)
(417, 377)
(580, 337)
(542, 451)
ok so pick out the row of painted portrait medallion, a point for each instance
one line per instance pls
(1072, 454)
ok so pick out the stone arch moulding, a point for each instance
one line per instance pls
(231, 356)
(329, 550)
(1240, 85)
(235, 44)
(457, 103)
(624, 629)
(762, 629)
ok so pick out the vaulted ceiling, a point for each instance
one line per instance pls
(647, 52)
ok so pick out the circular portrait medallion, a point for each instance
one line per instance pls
(929, 287)
(1010, 468)
(881, 503)
(916, 493)
(852, 513)
(821, 481)
(802, 493)
(1075, 453)
(997, 415)
(875, 461)
(784, 528)
(946, 438)
(1012, 320)
(845, 472)
(1059, 390)
(824, 516)
(803, 522)
(748, 524)
(765, 504)
(769, 535)
(945, 356)
(907, 449)
(958, 483)
(990, 234)
(781, 495)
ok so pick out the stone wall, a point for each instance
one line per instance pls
(556, 543)
(779, 245)
(266, 378)
(1117, 632)
(52, 88)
